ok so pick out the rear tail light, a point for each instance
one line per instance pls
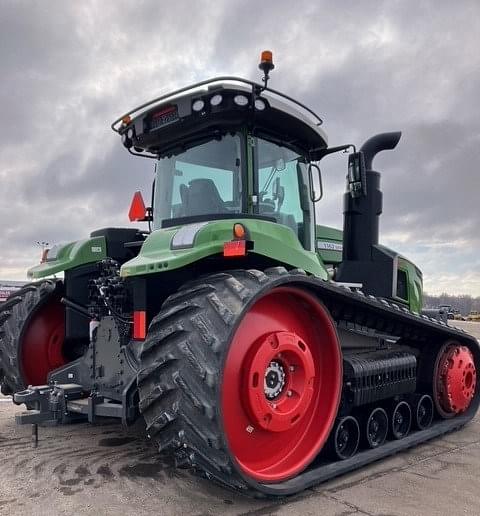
(235, 248)
(239, 231)
(139, 324)
(238, 246)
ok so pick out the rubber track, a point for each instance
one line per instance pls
(14, 314)
(182, 358)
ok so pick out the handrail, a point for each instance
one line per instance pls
(254, 85)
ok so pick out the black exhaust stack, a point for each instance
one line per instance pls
(364, 261)
(379, 143)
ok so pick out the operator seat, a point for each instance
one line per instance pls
(202, 198)
(179, 210)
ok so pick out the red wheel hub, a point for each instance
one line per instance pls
(280, 377)
(455, 380)
(41, 347)
(281, 384)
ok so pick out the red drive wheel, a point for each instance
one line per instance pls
(454, 380)
(281, 384)
(41, 343)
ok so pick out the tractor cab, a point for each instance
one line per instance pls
(229, 148)
(226, 148)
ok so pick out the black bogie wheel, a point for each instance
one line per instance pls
(376, 428)
(424, 412)
(401, 420)
(344, 439)
(15, 313)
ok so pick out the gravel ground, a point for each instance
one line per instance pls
(102, 470)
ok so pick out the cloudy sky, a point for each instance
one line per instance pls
(70, 68)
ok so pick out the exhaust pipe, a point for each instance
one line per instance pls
(363, 261)
(361, 214)
(378, 143)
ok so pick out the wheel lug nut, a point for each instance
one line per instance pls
(291, 368)
(289, 394)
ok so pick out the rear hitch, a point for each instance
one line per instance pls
(46, 403)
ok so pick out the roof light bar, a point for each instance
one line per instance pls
(260, 104)
(216, 100)
(198, 105)
(240, 100)
(117, 124)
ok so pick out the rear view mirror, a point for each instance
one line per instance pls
(315, 180)
(357, 175)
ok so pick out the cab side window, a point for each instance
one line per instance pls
(278, 185)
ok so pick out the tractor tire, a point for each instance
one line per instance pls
(32, 331)
(234, 382)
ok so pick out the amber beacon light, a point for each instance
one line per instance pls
(266, 65)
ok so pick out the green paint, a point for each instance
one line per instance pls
(414, 282)
(250, 143)
(73, 254)
(270, 239)
(326, 236)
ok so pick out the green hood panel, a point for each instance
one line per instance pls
(269, 239)
(329, 243)
(71, 255)
(415, 284)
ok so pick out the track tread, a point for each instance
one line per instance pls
(191, 332)
(187, 425)
(14, 313)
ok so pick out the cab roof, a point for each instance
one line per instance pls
(175, 121)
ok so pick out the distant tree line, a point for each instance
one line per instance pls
(465, 304)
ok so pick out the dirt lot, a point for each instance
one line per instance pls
(101, 470)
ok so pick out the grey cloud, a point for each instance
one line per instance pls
(69, 69)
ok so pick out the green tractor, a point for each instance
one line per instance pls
(263, 350)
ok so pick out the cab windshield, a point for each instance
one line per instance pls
(203, 180)
(209, 181)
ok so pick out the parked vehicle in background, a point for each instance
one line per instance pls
(447, 310)
(474, 315)
(9, 287)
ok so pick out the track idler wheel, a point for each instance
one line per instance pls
(454, 379)
(376, 428)
(401, 420)
(344, 439)
(282, 384)
(422, 405)
(32, 335)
